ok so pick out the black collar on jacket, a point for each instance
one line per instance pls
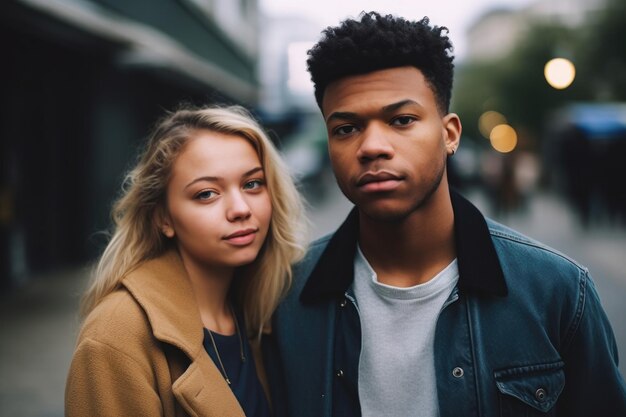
(479, 267)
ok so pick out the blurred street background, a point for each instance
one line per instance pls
(540, 87)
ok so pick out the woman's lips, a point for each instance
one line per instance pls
(241, 237)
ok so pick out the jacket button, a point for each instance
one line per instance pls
(339, 373)
(540, 394)
(457, 372)
(343, 303)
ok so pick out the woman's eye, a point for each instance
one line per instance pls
(205, 195)
(253, 185)
(403, 120)
(344, 130)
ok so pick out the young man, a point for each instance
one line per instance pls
(418, 305)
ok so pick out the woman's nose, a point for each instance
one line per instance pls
(238, 208)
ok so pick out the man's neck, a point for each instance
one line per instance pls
(411, 251)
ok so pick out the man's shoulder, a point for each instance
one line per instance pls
(511, 243)
(317, 246)
(528, 264)
(320, 243)
(303, 268)
(313, 254)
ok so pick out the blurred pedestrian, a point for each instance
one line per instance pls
(417, 304)
(205, 232)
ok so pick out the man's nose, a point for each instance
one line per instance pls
(375, 144)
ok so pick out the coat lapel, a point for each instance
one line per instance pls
(202, 391)
(162, 289)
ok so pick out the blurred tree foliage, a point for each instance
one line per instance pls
(603, 53)
(514, 85)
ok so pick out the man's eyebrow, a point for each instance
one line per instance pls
(342, 115)
(395, 106)
(210, 178)
(349, 116)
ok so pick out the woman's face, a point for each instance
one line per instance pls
(218, 205)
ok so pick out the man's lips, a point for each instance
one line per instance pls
(379, 181)
(380, 176)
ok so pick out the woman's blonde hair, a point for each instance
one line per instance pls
(137, 235)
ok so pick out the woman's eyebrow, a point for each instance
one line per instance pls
(212, 178)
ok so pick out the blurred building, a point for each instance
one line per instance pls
(498, 31)
(82, 81)
(286, 86)
(287, 100)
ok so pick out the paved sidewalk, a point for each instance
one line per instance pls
(38, 325)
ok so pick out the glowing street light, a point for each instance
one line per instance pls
(559, 73)
(488, 120)
(503, 138)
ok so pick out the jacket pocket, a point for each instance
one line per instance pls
(529, 390)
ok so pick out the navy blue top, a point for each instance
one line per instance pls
(244, 381)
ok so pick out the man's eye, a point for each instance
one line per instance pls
(205, 195)
(344, 130)
(403, 120)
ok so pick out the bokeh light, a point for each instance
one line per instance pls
(559, 73)
(503, 138)
(488, 120)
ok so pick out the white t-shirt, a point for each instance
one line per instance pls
(396, 366)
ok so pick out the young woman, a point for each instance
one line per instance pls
(205, 233)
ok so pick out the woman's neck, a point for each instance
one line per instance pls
(211, 286)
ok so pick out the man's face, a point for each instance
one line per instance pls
(388, 141)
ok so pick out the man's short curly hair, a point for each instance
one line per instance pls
(378, 42)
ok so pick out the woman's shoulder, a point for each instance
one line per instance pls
(115, 349)
(118, 320)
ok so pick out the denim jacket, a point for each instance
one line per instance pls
(522, 334)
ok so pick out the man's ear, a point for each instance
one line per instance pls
(452, 132)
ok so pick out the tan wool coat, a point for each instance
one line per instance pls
(140, 352)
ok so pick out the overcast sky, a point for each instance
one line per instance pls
(456, 15)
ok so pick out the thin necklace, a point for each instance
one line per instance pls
(217, 352)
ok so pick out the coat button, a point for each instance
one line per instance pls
(343, 303)
(540, 394)
(339, 373)
(457, 372)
